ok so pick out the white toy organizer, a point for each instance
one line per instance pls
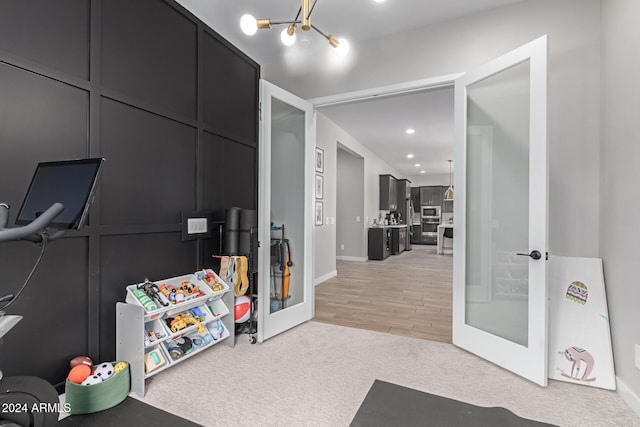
(151, 344)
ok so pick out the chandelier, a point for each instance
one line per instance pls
(251, 25)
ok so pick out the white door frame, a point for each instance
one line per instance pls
(382, 91)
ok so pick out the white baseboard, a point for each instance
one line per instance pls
(628, 396)
(324, 277)
(351, 258)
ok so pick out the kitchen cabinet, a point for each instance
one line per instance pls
(415, 199)
(379, 246)
(388, 193)
(416, 235)
(431, 195)
(404, 190)
(398, 240)
(447, 206)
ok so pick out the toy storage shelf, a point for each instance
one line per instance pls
(140, 331)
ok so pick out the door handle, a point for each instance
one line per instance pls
(534, 255)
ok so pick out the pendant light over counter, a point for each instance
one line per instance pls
(448, 195)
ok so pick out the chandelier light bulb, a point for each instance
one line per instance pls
(248, 24)
(287, 39)
(342, 49)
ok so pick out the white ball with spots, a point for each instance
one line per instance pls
(91, 380)
(104, 371)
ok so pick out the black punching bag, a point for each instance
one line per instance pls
(231, 231)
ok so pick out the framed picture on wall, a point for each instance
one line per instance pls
(319, 160)
(319, 213)
(319, 186)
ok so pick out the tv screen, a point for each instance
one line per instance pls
(70, 182)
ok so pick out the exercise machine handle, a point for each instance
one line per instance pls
(33, 230)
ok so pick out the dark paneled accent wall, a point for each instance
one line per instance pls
(170, 105)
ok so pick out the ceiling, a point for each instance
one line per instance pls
(378, 124)
(381, 124)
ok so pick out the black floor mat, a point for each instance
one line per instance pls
(131, 412)
(389, 404)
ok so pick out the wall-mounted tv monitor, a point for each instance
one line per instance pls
(70, 182)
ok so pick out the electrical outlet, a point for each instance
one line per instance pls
(342, 247)
(357, 219)
(196, 225)
(637, 356)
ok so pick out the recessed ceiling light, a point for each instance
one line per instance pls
(411, 131)
(378, 1)
(423, 172)
(417, 165)
(409, 156)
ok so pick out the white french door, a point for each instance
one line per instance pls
(285, 202)
(500, 268)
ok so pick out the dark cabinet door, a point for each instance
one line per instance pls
(415, 199)
(388, 193)
(379, 246)
(431, 195)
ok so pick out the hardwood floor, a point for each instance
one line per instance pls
(408, 294)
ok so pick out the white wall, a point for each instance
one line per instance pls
(324, 237)
(328, 135)
(432, 179)
(619, 201)
(573, 27)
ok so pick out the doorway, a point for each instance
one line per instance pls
(408, 294)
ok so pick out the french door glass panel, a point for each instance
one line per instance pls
(498, 204)
(287, 145)
(287, 202)
(500, 297)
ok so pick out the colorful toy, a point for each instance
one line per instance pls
(210, 279)
(198, 314)
(216, 329)
(79, 373)
(242, 309)
(80, 360)
(153, 360)
(175, 352)
(152, 291)
(91, 380)
(189, 289)
(144, 299)
(169, 292)
(182, 320)
(120, 366)
(104, 371)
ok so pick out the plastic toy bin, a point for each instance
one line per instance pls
(86, 399)
(206, 293)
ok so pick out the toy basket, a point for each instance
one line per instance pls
(85, 399)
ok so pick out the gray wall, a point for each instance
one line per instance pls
(350, 205)
(573, 27)
(619, 201)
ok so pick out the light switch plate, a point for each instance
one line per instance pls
(196, 225)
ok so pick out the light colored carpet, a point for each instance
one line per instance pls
(318, 375)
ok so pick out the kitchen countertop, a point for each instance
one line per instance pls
(391, 226)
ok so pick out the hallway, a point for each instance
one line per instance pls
(408, 294)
